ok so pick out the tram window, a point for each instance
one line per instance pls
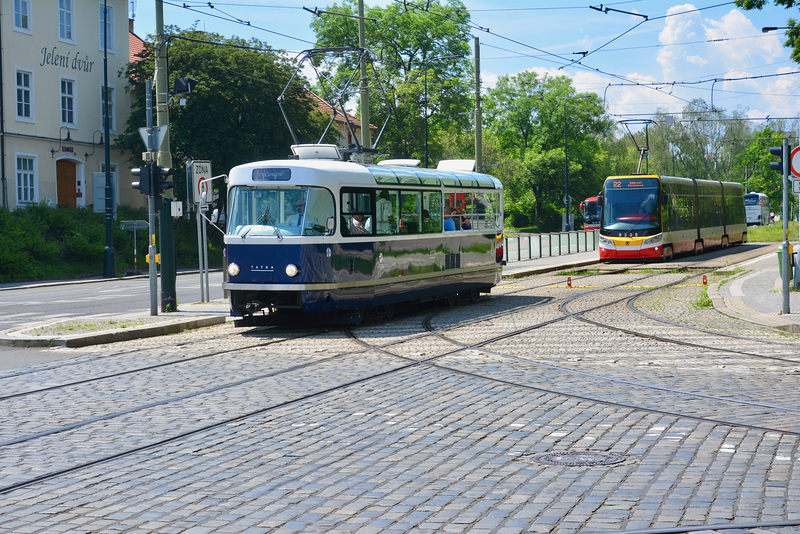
(410, 212)
(386, 204)
(431, 212)
(357, 213)
(279, 211)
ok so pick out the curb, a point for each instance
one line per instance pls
(13, 338)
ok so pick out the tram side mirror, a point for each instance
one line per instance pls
(331, 224)
(214, 216)
(663, 199)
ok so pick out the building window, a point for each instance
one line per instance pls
(22, 14)
(66, 20)
(67, 102)
(25, 95)
(107, 28)
(26, 178)
(111, 121)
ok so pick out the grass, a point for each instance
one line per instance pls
(772, 233)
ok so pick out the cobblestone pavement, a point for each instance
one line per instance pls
(435, 421)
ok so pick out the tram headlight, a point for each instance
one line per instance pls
(656, 239)
(233, 269)
(292, 270)
(604, 241)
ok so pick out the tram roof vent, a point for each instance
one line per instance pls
(456, 165)
(312, 151)
(400, 162)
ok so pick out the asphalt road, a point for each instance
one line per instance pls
(25, 304)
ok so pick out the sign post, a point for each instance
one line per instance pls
(198, 174)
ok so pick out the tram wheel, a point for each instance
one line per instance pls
(474, 295)
(666, 254)
(451, 300)
(389, 311)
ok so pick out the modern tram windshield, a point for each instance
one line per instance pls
(280, 211)
(631, 206)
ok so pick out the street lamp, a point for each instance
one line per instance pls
(567, 200)
(425, 65)
(767, 29)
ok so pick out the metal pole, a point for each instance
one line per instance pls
(566, 173)
(151, 208)
(425, 111)
(366, 143)
(205, 260)
(200, 251)
(785, 215)
(169, 297)
(478, 120)
(108, 253)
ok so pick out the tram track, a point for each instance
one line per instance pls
(13, 444)
(398, 362)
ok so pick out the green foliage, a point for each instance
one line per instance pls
(528, 117)
(414, 46)
(43, 243)
(232, 116)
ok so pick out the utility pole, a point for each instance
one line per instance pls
(108, 253)
(169, 297)
(478, 122)
(366, 142)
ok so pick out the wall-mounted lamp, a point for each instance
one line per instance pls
(62, 148)
(86, 153)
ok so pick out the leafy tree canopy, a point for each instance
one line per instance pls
(411, 49)
(231, 116)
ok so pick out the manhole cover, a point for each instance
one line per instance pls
(579, 458)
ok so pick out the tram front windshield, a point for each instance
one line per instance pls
(280, 211)
(630, 207)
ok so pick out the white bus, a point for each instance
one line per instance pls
(756, 206)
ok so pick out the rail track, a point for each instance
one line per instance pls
(591, 343)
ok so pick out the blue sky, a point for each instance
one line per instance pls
(681, 47)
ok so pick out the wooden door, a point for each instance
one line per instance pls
(65, 182)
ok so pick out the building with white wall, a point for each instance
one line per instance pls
(52, 101)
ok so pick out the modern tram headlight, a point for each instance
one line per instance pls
(604, 241)
(655, 240)
(292, 270)
(233, 269)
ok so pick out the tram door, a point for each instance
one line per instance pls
(66, 176)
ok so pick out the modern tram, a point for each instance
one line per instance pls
(757, 207)
(590, 208)
(657, 217)
(326, 237)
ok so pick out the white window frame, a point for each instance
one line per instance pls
(32, 175)
(66, 20)
(19, 7)
(29, 89)
(109, 25)
(73, 99)
(112, 110)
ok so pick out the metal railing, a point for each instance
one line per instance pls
(525, 246)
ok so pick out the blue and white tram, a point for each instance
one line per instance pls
(756, 206)
(334, 237)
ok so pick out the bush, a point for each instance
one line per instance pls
(44, 243)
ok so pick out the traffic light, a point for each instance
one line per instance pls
(777, 165)
(145, 183)
(162, 175)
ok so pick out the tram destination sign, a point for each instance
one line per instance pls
(634, 183)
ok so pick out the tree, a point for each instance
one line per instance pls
(536, 119)
(793, 32)
(231, 116)
(411, 48)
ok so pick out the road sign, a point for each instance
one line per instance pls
(134, 225)
(796, 187)
(795, 163)
(159, 133)
(201, 181)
